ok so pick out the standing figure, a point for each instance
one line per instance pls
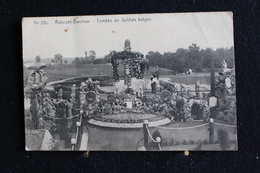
(153, 84)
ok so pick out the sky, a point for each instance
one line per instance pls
(161, 32)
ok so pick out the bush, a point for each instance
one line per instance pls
(205, 142)
(171, 141)
(223, 139)
(185, 142)
(191, 142)
(164, 142)
(199, 145)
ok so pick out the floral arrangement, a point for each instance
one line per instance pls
(169, 86)
(129, 120)
(225, 92)
(135, 65)
(31, 79)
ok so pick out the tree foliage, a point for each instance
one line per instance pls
(85, 60)
(223, 139)
(192, 58)
(38, 59)
(179, 61)
(92, 54)
(58, 59)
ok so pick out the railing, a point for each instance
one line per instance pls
(211, 124)
(75, 142)
(147, 133)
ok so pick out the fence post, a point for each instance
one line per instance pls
(33, 109)
(73, 143)
(145, 127)
(211, 130)
(212, 82)
(158, 141)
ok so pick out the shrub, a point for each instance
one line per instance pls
(205, 142)
(164, 142)
(171, 141)
(185, 142)
(191, 142)
(199, 145)
(223, 139)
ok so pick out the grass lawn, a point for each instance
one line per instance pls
(60, 72)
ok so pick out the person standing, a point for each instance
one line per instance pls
(153, 84)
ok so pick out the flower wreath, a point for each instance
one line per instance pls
(31, 78)
(165, 96)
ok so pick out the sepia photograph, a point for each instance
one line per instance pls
(132, 82)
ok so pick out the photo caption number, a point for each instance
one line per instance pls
(44, 23)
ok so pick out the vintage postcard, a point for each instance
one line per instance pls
(135, 82)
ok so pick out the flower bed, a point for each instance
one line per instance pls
(128, 118)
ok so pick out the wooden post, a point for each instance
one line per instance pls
(145, 127)
(212, 82)
(33, 109)
(73, 142)
(212, 88)
(211, 131)
(158, 141)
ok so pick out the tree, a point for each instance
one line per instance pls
(65, 61)
(83, 60)
(194, 57)
(208, 58)
(181, 60)
(230, 57)
(77, 61)
(58, 58)
(223, 139)
(92, 55)
(98, 61)
(86, 54)
(38, 59)
(155, 58)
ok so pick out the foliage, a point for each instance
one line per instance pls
(205, 142)
(191, 142)
(58, 59)
(38, 59)
(92, 55)
(179, 61)
(199, 145)
(191, 58)
(184, 142)
(87, 59)
(223, 139)
(171, 142)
